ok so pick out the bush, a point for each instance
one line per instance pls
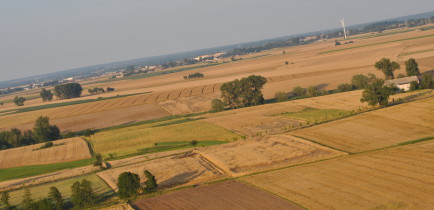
(151, 182)
(414, 85)
(217, 105)
(360, 81)
(345, 87)
(47, 145)
(195, 75)
(193, 143)
(298, 91)
(281, 96)
(312, 91)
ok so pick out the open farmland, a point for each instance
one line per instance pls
(376, 129)
(170, 171)
(100, 189)
(225, 195)
(248, 156)
(63, 151)
(400, 177)
(130, 140)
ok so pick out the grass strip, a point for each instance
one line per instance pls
(34, 170)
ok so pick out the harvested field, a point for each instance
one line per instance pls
(400, 177)
(169, 171)
(188, 105)
(132, 139)
(249, 156)
(376, 129)
(225, 195)
(63, 151)
(270, 118)
(41, 191)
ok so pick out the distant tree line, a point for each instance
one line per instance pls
(42, 132)
(193, 76)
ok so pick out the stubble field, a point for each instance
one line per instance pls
(400, 177)
(65, 150)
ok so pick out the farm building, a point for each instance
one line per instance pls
(403, 83)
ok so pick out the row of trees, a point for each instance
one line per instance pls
(387, 66)
(82, 196)
(42, 132)
(96, 90)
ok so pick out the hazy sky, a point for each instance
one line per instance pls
(42, 36)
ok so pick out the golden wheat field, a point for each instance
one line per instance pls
(64, 150)
(130, 140)
(170, 171)
(376, 129)
(249, 156)
(400, 177)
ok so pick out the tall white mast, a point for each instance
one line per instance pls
(343, 26)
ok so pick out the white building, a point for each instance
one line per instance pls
(403, 83)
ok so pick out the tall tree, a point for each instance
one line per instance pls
(46, 95)
(128, 184)
(376, 93)
(427, 81)
(387, 67)
(27, 199)
(5, 199)
(43, 131)
(82, 194)
(151, 182)
(56, 197)
(411, 67)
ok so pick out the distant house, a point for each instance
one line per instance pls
(403, 83)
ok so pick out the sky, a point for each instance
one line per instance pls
(44, 36)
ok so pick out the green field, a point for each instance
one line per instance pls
(314, 115)
(28, 171)
(100, 188)
(139, 139)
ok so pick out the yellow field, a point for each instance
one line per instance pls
(376, 129)
(131, 140)
(63, 151)
(395, 178)
(99, 187)
(248, 156)
(169, 171)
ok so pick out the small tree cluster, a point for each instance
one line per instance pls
(129, 184)
(67, 91)
(109, 89)
(281, 96)
(244, 92)
(193, 76)
(53, 201)
(43, 131)
(19, 101)
(46, 95)
(376, 93)
(96, 90)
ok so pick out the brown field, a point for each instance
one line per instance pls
(376, 129)
(400, 177)
(63, 151)
(225, 195)
(249, 156)
(169, 171)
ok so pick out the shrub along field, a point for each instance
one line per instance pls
(400, 177)
(100, 188)
(131, 140)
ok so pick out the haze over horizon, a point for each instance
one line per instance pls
(38, 37)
